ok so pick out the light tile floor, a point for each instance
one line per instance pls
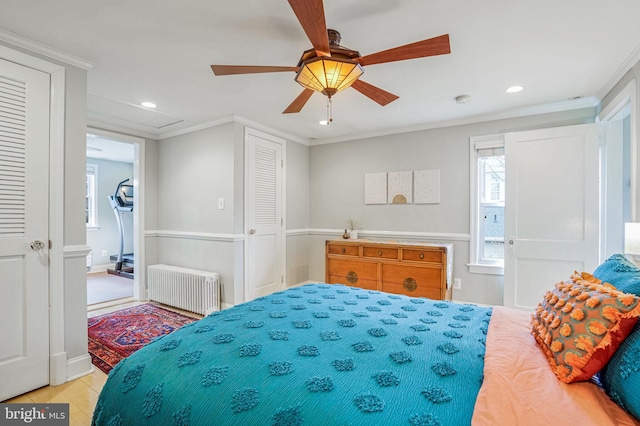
(81, 395)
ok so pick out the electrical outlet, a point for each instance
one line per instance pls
(221, 203)
(457, 284)
(104, 253)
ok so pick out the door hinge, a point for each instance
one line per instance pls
(50, 245)
(281, 221)
(281, 279)
(281, 163)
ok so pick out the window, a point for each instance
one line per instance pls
(487, 205)
(91, 206)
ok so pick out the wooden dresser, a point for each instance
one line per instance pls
(411, 268)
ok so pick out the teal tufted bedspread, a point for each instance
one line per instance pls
(312, 355)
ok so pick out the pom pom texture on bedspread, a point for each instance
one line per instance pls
(312, 355)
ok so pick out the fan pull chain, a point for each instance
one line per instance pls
(329, 110)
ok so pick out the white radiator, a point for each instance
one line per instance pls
(188, 289)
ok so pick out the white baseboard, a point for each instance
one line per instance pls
(58, 369)
(100, 268)
(79, 366)
(300, 284)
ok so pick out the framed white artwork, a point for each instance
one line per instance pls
(426, 184)
(400, 187)
(375, 188)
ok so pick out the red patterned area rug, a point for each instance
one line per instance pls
(118, 334)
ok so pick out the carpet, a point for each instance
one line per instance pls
(103, 287)
(118, 334)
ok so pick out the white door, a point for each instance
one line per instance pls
(551, 209)
(265, 223)
(24, 232)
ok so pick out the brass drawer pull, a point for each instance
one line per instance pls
(409, 284)
(380, 253)
(344, 250)
(352, 277)
(421, 255)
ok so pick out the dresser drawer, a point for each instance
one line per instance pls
(409, 277)
(347, 268)
(359, 282)
(347, 250)
(380, 252)
(399, 288)
(422, 255)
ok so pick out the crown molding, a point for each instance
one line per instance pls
(235, 119)
(105, 125)
(275, 132)
(633, 59)
(587, 102)
(195, 128)
(44, 50)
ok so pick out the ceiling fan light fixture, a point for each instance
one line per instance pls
(328, 75)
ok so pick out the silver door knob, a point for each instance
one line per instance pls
(37, 245)
(252, 231)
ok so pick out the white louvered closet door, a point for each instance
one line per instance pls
(24, 232)
(264, 215)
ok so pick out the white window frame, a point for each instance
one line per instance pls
(475, 264)
(92, 169)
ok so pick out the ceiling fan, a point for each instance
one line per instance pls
(329, 67)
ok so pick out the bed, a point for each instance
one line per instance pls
(324, 354)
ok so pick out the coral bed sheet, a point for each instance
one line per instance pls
(519, 387)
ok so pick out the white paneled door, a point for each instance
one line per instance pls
(24, 232)
(552, 209)
(264, 214)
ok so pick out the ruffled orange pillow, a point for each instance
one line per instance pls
(580, 324)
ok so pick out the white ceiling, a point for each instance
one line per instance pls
(161, 50)
(108, 149)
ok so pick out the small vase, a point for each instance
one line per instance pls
(345, 235)
(353, 234)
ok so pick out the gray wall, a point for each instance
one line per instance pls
(193, 171)
(107, 236)
(297, 213)
(337, 189)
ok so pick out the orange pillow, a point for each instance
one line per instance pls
(580, 324)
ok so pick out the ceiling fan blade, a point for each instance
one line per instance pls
(299, 102)
(248, 69)
(374, 93)
(420, 49)
(310, 13)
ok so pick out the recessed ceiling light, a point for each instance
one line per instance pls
(324, 123)
(148, 104)
(462, 99)
(515, 89)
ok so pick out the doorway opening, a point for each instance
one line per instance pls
(113, 219)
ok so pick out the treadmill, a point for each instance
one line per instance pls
(122, 202)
